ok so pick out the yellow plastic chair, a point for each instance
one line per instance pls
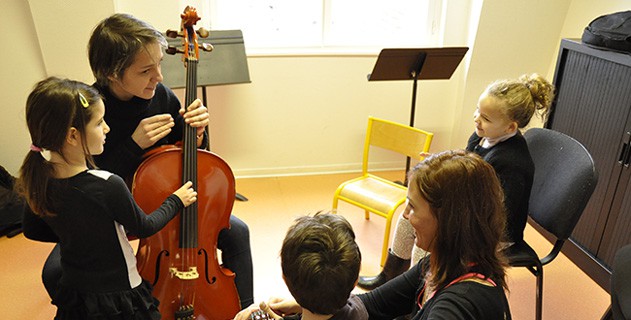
(375, 194)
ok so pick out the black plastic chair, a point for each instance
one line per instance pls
(621, 284)
(620, 308)
(565, 178)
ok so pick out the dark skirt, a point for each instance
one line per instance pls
(137, 303)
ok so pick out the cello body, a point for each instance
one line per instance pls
(180, 261)
(213, 294)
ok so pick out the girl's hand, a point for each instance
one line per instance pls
(424, 154)
(152, 129)
(186, 194)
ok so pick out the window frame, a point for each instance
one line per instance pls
(434, 33)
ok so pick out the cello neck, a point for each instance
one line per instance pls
(189, 226)
(190, 133)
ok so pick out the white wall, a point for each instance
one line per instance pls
(513, 38)
(21, 66)
(580, 14)
(300, 114)
(306, 114)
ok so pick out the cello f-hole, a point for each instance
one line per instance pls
(166, 254)
(200, 252)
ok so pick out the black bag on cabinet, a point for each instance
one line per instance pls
(610, 31)
(11, 206)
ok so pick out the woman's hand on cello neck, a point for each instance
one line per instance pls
(196, 115)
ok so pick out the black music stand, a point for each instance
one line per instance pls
(416, 64)
(226, 64)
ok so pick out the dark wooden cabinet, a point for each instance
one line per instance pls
(593, 105)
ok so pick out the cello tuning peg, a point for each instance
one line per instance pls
(173, 34)
(207, 47)
(173, 50)
(203, 33)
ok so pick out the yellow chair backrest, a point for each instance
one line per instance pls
(396, 137)
(376, 194)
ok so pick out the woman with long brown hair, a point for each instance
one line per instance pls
(455, 204)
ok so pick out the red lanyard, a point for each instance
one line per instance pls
(419, 299)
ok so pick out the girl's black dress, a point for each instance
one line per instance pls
(99, 279)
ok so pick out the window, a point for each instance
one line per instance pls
(326, 25)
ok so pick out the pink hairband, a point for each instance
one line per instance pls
(35, 148)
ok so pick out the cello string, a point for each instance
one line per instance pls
(191, 168)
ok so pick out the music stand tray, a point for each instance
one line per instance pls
(226, 64)
(414, 64)
(428, 63)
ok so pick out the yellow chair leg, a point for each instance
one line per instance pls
(386, 238)
(334, 209)
(367, 214)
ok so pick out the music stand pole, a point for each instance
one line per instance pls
(415, 74)
(412, 113)
(237, 195)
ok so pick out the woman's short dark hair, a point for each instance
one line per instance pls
(115, 42)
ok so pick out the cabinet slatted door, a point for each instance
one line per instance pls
(593, 105)
(617, 232)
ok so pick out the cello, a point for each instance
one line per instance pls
(180, 261)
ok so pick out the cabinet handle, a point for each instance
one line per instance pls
(625, 154)
(625, 148)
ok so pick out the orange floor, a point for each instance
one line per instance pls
(273, 203)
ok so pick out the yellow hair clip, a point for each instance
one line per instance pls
(83, 100)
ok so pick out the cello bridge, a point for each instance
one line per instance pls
(191, 274)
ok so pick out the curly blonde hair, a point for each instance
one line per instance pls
(523, 97)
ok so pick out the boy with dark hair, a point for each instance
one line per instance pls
(320, 262)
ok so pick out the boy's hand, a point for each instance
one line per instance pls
(245, 313)
(254, 312)
(267, 310)
(284, 306)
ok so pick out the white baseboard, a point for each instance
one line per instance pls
(314, 170)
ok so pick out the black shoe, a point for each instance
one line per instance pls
(369, 283)
(393, 267)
